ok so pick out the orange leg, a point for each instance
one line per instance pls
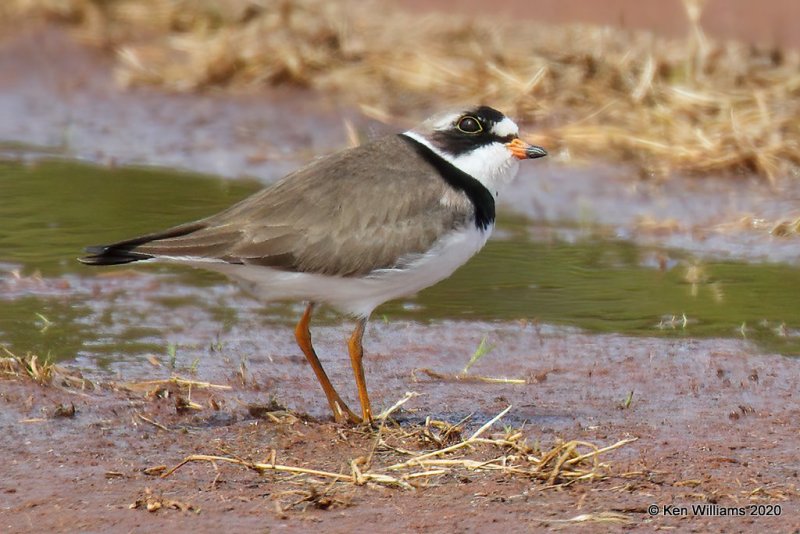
(356, 355)
(341, 413)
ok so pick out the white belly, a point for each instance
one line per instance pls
(359, 296)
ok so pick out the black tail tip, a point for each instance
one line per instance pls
(109, 255)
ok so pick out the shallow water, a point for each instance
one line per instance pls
(529, 271)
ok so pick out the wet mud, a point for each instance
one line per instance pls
(715, 424)
(716, 419)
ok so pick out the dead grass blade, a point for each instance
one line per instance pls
(41, 371)
(463, 377)
(598, 517)
(149, 385)
(507, 454)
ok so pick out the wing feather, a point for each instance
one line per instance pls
(346, 214)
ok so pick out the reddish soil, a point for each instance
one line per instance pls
(716, 423)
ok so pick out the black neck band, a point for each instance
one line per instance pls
(481, 198)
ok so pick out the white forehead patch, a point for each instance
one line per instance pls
(445, 122)
(505, 127)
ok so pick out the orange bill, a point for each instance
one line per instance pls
(523, 150)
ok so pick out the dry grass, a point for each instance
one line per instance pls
(153, 387)
(42, 371)
(396, 460)
(690, 105)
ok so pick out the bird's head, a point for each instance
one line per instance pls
(480, 141)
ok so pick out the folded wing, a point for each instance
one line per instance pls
(343, 215)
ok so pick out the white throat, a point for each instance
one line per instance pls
(492, 165)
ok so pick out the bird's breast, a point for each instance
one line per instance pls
(447, 254)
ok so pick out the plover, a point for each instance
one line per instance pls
(356, 228)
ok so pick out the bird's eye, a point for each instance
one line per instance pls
(469, 125)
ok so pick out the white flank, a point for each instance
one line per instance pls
(359, 296)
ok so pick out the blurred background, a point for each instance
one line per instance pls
(767, 23)
(691, 86)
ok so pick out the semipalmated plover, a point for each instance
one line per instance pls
(356, 228)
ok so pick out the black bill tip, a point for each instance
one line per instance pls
(533, 152)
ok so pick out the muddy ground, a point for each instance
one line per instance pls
(716, 420)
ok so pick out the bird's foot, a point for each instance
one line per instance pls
(343, 414)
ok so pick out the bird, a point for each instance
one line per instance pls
(355, 228)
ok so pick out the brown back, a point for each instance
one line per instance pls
(346, 214)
